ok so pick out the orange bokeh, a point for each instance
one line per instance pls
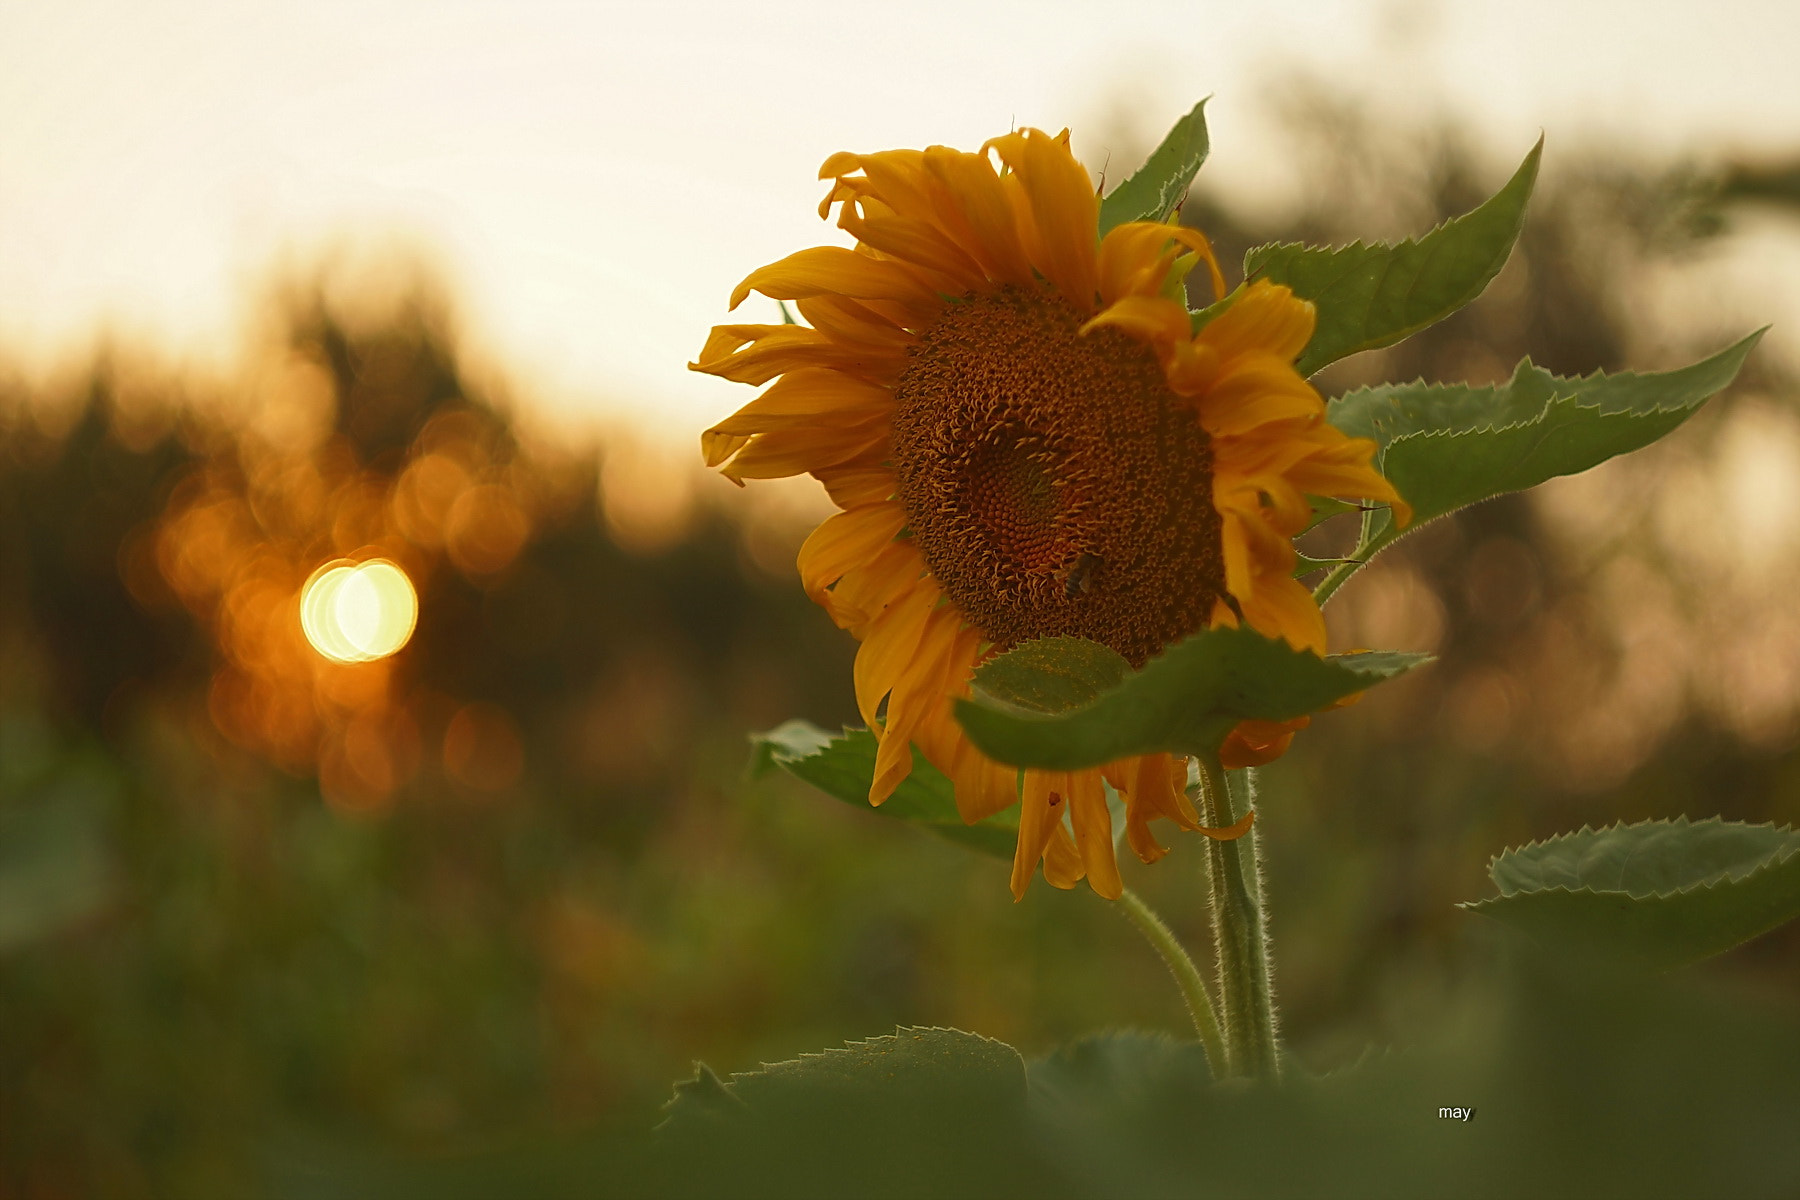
(244, 531)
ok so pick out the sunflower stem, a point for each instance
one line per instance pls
(1186, 975)
(1239, 929)
(1351, 563)
(1335, 578)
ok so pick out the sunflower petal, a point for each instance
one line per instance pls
(1150, 319)
(1267, 318)
(836, 271)
(1135, 259)
(987, 232)
(891, 642)
(797, 450)
(1093, 833)
(844, 541)
(758, 353)
(1062, 208)
(808, 395)
(1038, 818)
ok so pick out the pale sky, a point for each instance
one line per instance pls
(595, 177)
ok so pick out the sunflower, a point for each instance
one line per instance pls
(1027, 438)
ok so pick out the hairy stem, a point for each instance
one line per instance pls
(1336, 577)
(1186, 974)
(1239, 931)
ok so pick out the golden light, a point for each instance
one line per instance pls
(358, 612)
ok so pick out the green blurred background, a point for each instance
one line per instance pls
(507, 884)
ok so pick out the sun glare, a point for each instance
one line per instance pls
(358, 612)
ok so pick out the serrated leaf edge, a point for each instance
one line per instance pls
(1536, 153)
(782, 758)
(763, 1068)
(1779, 859)
(1558, 394)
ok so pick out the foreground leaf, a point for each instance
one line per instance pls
(1157, 188)
(1447, 446)
(1373, 296)
(1542, 1076)
(1661, 893)
(843, 765)
(894, 1072)
(1082, 1079)
(1053, 704)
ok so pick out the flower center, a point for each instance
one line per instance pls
(1051, 480)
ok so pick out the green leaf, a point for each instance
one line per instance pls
(844, 765)
(1050, 706)
(1052, 675)
(1373, 296)
(1660, 893)
(893, 1072)
(1093, 1073)
(1446, 446)
(1157, 188)
(921, 1112)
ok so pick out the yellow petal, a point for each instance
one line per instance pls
(855, 483)
(888, 648)
(1267, 317)
(1063, 210)
(1093, 833)
(1254, 389)
(1150, 319)
(808, 395)
(795, 451)
(845, 541)
(1135, 258)
(984, 227)
(917, 699)
(865, 591)
(834, 270)
(758, 353)
(1038, 819)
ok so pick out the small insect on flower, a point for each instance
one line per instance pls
(1078, 576)
(1027, 438)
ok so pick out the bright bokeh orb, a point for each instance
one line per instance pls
(358, 612)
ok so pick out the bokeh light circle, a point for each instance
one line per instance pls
(354, 612)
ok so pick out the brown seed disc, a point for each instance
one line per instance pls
(1052, 482)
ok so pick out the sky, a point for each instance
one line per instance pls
(593, 178)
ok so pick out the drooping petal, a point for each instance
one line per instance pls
(917, 698)
(1093, 833)
(1256, 743)
(888, 647)
(1135, 259)
(1040, 813)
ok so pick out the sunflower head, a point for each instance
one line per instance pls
(1028, 438)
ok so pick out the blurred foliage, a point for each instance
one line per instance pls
(499, 889)
(1614, 646)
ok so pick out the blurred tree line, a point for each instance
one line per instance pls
(510, 881)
